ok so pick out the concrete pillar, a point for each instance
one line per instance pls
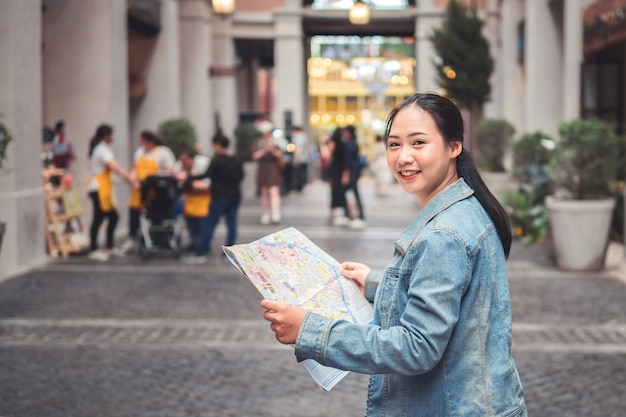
(223, 85)
(289, 67)
(572, 58)
(21, 192)
(162, 99)
(428, 18)
(85, 82)
(511, 71)
(491, 31)
(85, 72)
(544, 66)
(195, 38)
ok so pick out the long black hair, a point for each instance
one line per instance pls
(151, 137)
(449, 121)
(102, 132)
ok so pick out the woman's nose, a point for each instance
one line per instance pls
(406, 155)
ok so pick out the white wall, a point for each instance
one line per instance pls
(21, 194)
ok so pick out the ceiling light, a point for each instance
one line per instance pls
(359, 14)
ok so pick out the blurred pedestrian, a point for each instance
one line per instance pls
(196, 196)
(226, 174)
(62, 149)
(338, 177)
(150, 158)
(269, 173)
(102, 164)
(301, 158)
(354, 167)
(440, 341)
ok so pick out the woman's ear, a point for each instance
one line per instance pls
(455, 148)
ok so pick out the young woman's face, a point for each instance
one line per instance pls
(418, 156)
(109, 138)
(147, 145)
(186, 161)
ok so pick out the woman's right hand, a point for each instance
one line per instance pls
(357, 272)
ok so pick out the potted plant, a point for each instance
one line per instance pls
(493, 138)
(587, 158)
(5, 138)
(532, 154)
(178, 134)
(246, 135)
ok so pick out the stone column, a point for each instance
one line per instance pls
(195, 39)
(222, 72)
(85, 82)
(428, 18)
(572, 58)
(85, 73)
(21, 193)
(491, 31)
(544, 67)
(289, 67)
(162, 99)
(511, 71)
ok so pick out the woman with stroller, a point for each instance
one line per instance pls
(151, 158)
(102, 164)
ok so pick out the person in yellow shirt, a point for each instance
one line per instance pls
(151, 158)
(196, 194)
(100, 189)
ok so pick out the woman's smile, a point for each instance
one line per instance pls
(409, 175)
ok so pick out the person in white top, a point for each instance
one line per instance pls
(151, 158)
(100, 189)
(300, 158)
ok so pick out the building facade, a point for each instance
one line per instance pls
(136, 63)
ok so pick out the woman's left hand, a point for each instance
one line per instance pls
(285, 320)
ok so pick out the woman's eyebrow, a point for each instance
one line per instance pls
(412, 134)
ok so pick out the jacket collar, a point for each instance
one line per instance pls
(457, 191)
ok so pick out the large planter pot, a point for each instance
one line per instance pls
(580, 232)
(497, 182)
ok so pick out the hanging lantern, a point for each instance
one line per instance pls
(223, 6)
(359, 14)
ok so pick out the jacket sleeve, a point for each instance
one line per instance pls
(416, 342)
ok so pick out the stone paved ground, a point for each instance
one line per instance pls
(158, 338)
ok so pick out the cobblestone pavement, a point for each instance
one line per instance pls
(159, 338)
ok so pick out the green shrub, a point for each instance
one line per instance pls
(5, 138)
(178, 134)
(528, 214)
(531, 162)
(246, 135)
(493, 137)
(588, 156)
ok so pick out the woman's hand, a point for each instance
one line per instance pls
(285, 320)
(357, 272)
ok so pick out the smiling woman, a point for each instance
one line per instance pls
(419, 157)
(440, 341)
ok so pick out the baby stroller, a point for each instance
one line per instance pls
(160, 224)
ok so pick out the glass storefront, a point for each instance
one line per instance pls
(356, 80)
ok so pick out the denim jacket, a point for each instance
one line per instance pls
(440, 342)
